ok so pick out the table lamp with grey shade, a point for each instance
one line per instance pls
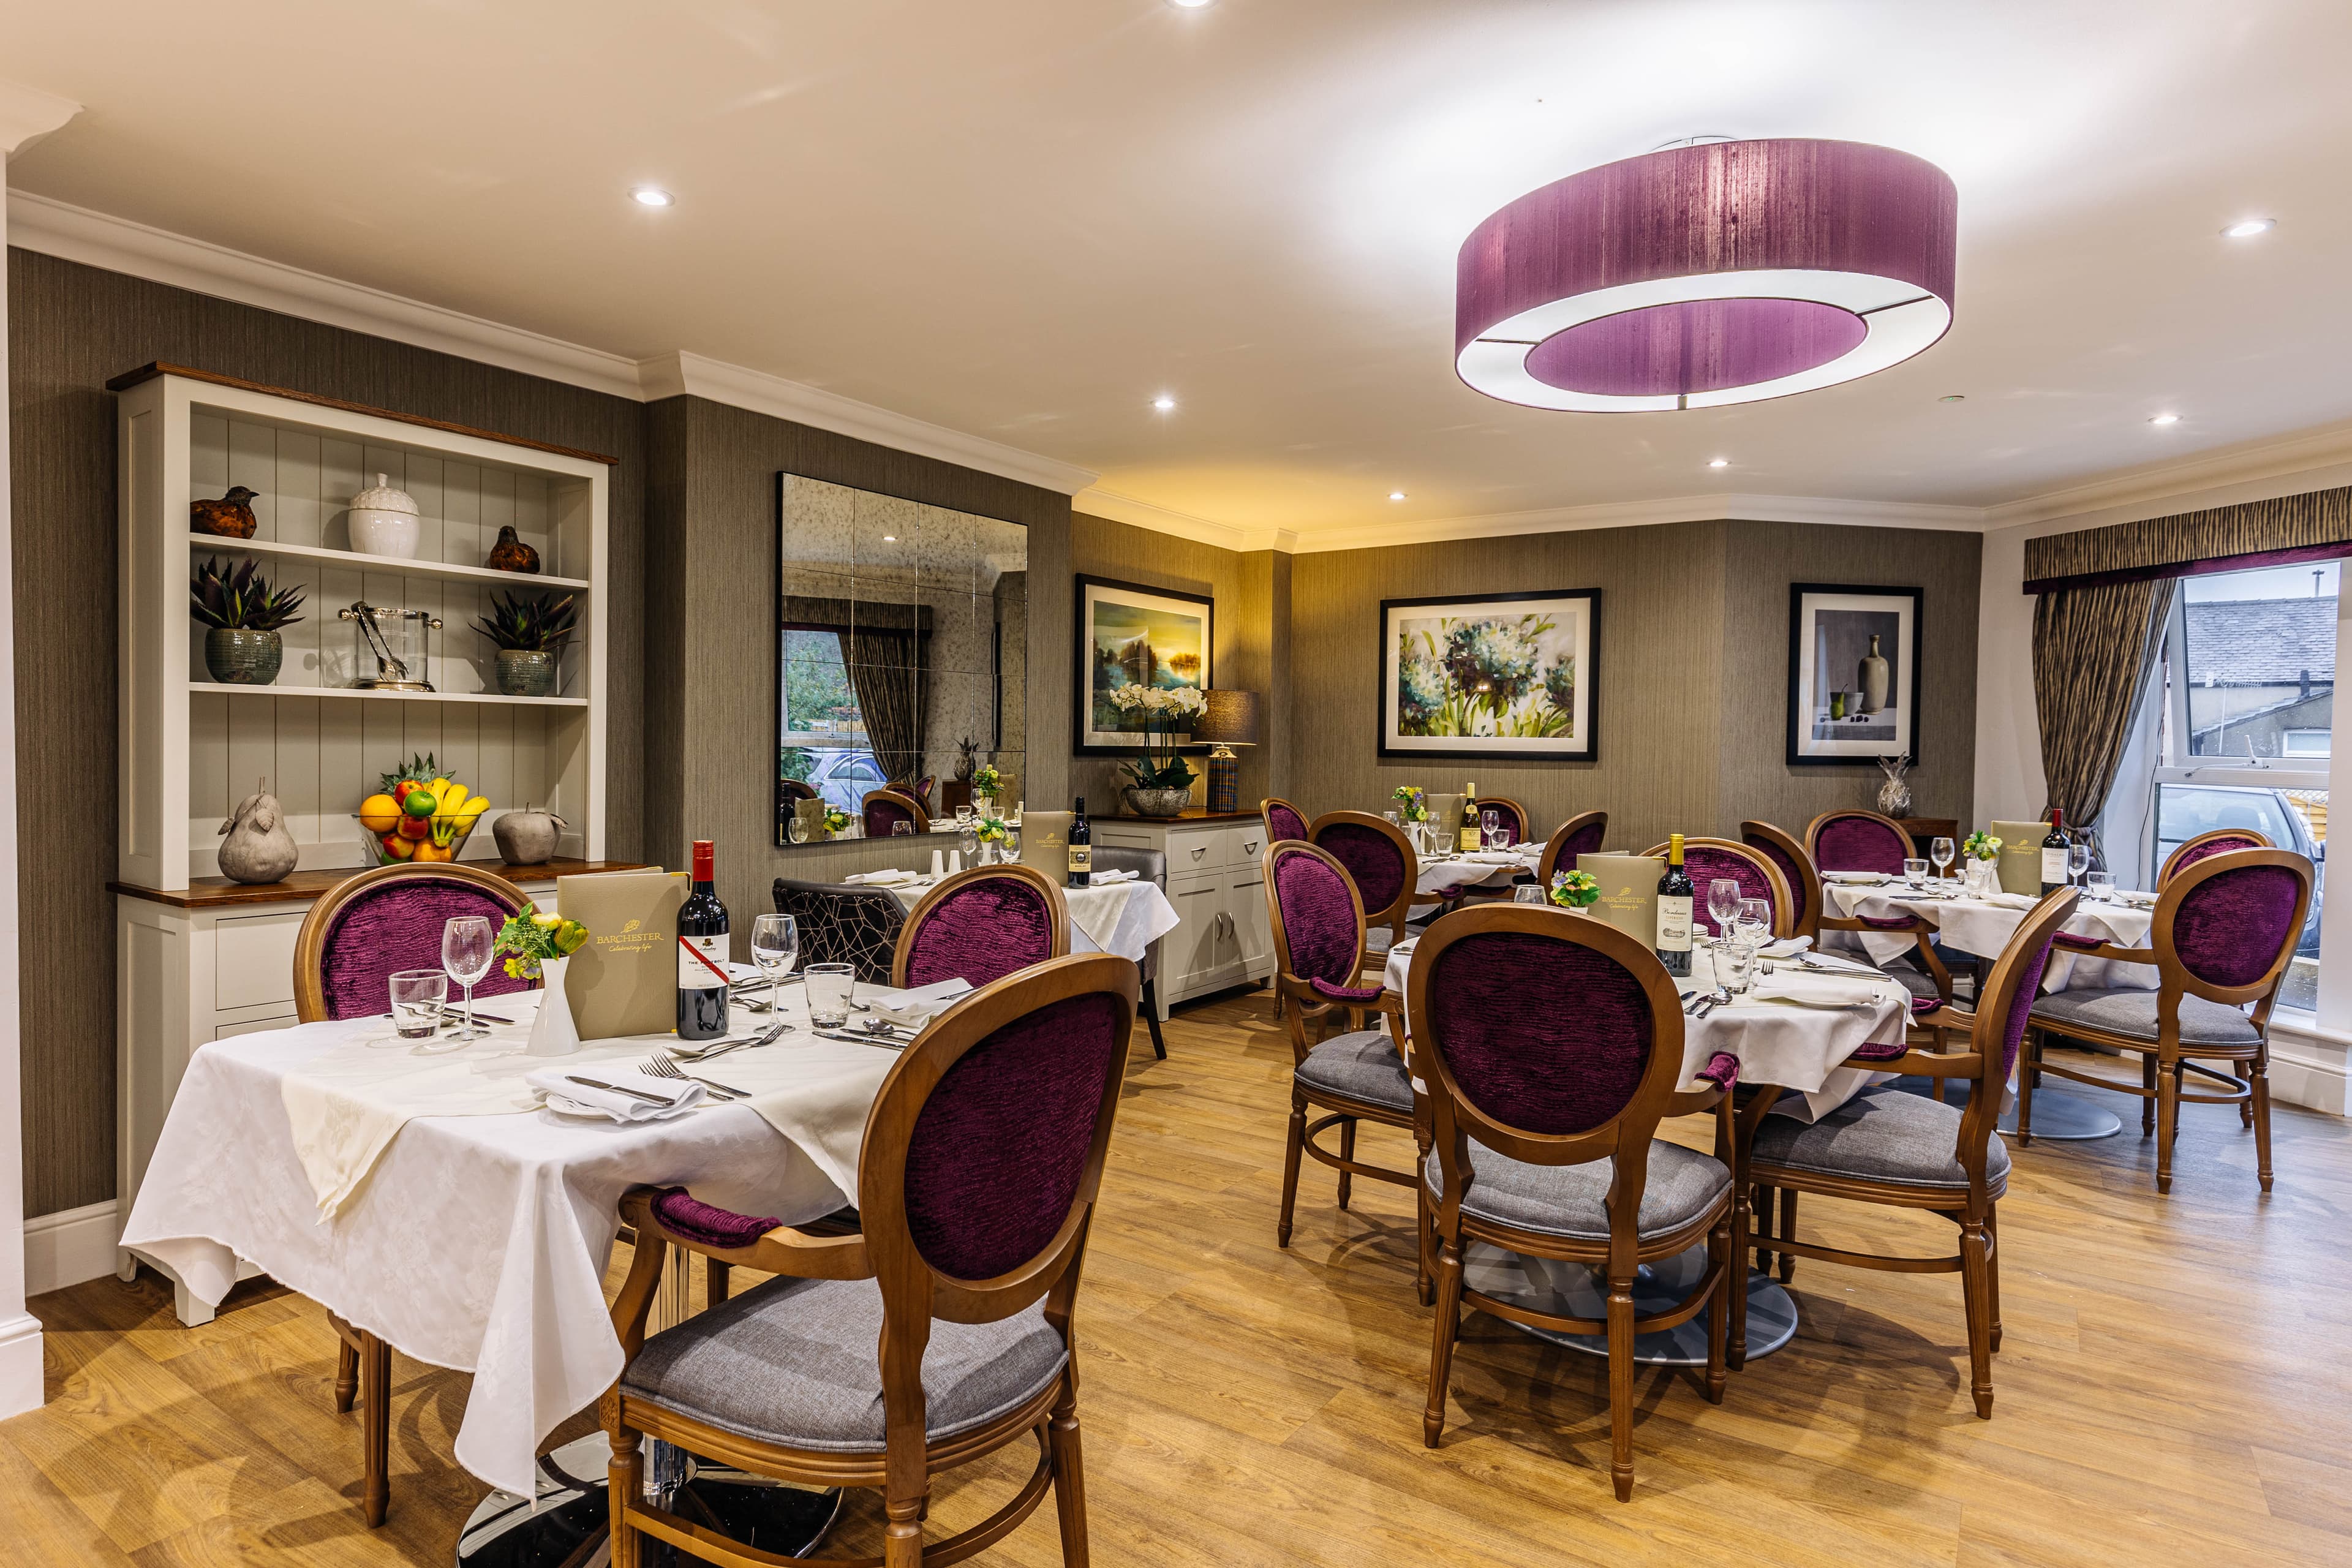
(1227, 719)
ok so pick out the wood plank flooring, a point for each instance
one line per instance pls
(2172, 1387)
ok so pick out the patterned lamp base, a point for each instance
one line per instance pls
(1224, 780)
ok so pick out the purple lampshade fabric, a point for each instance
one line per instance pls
(2193, 854)
(1282, 822)
(998, 1150)
(881, 814)
(683, 1214)
(2229, 928)
(981, 934)
(1697, 346)
(1706, 865)
(1585, 840)
(1356, 994)
(1540, 1034)
(1798, 877)
(396, 925)
(1860, 844)
(1318, 919)
(1372, 859)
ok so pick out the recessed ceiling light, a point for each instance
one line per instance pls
(2250, 228)
(1190, 5)
(1164, 403)
(1953, 397)
(1396, 495)
(1720, 463)
(652, 197)
(2165, 419)
(889, 538)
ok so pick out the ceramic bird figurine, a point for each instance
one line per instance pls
(511, 554)
(258, 848)
(231, 517)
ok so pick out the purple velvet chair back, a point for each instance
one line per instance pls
(2205, 848)
(1539, 1032)
(1796, 876)
(1578, 835)
(884, 810)
(1380, 870)
(1705, 862)
(1282, 821)
(1319, 925)
(2229, 928)
(1859, 841)
(978, 928)
(1508, 816)
(395, 924)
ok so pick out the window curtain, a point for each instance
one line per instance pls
(2094, 648)
(885, 669)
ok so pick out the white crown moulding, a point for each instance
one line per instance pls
(1110, 504)
(27, 114)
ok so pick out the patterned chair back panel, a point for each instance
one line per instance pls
(2229, 928)
(1282, 822)
(1706, 864)
(1541, 1035)
(1860, 844)
(397, 925)
(998, 1150)
(881, 816)
(1379, 872)
(1318, 919)
(844, 925)
(2028, 986)
(2189, 855)
(981, 934)
(1793, 874)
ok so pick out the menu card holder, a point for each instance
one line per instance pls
(625, 980)
(1045, 842)
(1629, 892)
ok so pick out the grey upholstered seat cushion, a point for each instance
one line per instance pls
(2125, 1011)
(1570, 1200)
(1917, 982)
(1363, 1065)
(1881, 1134)
(795, 1361)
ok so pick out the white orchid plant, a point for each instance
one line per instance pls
(1166, 711)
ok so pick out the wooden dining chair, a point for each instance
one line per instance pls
(839, 924)
(940, 1333)
(1282, 820)
(355, 937)
(1785, 850)
(1316, 919)
(981, 925)
(1553, 1045)
(1899, 1150)
(1380, 860)
(2226, 929)
(1868, 841)
(885, 808)
(1580, 834)
(2219, 842)
(1148, 865)
(1512, 817)
(1707, 859)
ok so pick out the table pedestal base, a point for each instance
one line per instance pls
(569, 1529)
(2058, 1116)
(1574, 1290)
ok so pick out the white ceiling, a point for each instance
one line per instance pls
(1024, 219)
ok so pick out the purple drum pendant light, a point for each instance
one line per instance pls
(1698, 276)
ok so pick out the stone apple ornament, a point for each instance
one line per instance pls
(528, 837)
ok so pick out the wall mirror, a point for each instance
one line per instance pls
(902, 641)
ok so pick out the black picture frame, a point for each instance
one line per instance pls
(1585, 645)
(1873, 603)
(1084, 740)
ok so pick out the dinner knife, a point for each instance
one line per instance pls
(621, 1088)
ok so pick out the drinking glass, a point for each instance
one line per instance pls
(417, 998)
(1941, 851)
(1755, 918)
(1914, 872)
(1495, 838)
(828, 994)
(1735, 968)
(775, 948)
(1393, 819)
(902, 828)
(2100, 885)
(968, 842)
(1723, 903)
(1530, 894)
(964, 815)
(2078, 861)
(798, 830)
(465, 955)
(1011, 850)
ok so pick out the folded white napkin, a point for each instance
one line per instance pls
(1857, 878)
(1105, 878)
(1494, 856)
(1820, 991)
(2011, 900)
(556, 1085)
(2133, 895)
(1786, 949)
(913, 1009)
(879, 878)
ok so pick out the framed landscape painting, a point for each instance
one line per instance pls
(1854, 674)
(1506, 676)
(1130, 635)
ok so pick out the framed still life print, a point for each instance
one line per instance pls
(1507, 676)
(1853, 673)
(1129, 635)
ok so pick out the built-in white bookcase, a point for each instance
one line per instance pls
(191, 747)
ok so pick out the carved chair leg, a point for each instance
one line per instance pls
(625, 1479)
(1787, 1232)
(1718, 1306)
(1290, 1154)
(1069, 1475)
(375, 1428)
(1976, 1290)
(1621, 1387)
(2244, 1071)
(1736, 1332)
(2167, 1121)
(1347, 1152)
(2147, 1106)
(714, 1280)
(1425, 1218)
(1993, 1271)
(2260, 1069)
(1443, 1332)
(902, 1537)
(2029, 1065)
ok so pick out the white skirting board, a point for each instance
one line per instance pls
(20, 1366)
(67, 1248)
(2310, 1069)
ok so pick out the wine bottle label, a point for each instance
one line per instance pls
(2053, 865)
(1674, 924)
(1469, 838)
(1082, 859)
(697, 957)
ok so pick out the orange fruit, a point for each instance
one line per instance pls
(431, 851)
(379, 814)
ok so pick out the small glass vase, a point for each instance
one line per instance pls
(552, 1032)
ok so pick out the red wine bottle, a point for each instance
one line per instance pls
(1082, 848)
(2054, 849)
(702, 955)
(1675, 896)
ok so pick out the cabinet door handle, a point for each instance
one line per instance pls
(1204, 849)
(1250, 847)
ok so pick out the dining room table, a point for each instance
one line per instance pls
(429, 1193)
(1119, 912)
(1449, 873)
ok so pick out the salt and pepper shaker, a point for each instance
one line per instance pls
(936, 862)
(955, 862)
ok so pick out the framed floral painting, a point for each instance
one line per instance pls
(1507, 676)
(1135, 642)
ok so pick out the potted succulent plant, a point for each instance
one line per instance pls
(245, 613)
(529, 629)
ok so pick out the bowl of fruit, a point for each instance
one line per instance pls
(421, 814)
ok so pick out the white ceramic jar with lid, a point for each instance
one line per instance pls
(384, 521)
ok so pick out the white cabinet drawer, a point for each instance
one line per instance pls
(1200, 850)
(1245, 846)
(253, 961)
(255, 1026)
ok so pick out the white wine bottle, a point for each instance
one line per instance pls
(1466, 839)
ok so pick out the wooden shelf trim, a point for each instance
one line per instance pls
(304, 887)
(390, 566)
(492, 697)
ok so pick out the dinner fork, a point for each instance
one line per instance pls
(660, 1064)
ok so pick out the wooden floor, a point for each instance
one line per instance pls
(2172, 1387)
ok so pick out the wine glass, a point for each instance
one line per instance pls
(1754, 921)
(466, 943)
(1490, 822)
(797, 830)
(2078, 861)
(1530, 894)
(902, 828)
(1723, 903)
(1011, 850)
(775, 948)
(1940, 852)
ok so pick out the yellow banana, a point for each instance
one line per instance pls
(453, 796)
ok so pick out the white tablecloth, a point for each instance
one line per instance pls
(1120, 918)
(479, 1242)
(1452, 874)
(1983, 927)
(1798, 1048)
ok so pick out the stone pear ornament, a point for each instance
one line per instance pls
(528, 837)
(257, 848)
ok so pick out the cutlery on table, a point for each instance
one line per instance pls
(660, 1064)
(881, 1041)
(689, 1054)
(620, 1089)
(452, 1015)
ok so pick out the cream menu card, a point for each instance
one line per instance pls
(624, 981)
(1629, 892)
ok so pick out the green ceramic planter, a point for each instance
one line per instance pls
(525, 672)
(243, 658)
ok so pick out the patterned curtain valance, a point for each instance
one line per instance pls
(2315, 526)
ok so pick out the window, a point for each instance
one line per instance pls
(2304, 744)
(831, 754)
